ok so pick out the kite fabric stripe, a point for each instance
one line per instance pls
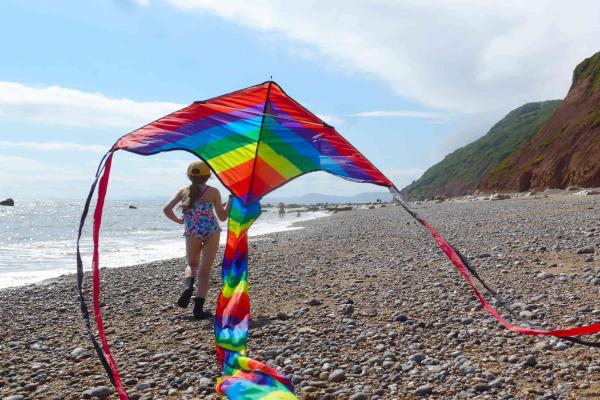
(254, 140)
(267, 139)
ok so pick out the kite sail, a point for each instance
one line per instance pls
(254, 140)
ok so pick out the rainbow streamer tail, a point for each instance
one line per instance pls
(243, 378)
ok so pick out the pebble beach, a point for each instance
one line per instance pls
(358, 305)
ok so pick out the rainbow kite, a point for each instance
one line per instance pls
(254, 140)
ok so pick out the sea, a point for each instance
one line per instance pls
(38, 237)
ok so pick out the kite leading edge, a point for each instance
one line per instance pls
(254, 140)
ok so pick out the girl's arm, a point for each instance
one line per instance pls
(168, 210)
(222, 212)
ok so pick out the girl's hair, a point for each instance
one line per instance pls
(191, 194)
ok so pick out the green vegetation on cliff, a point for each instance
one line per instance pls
(590, 67)
(460, 172)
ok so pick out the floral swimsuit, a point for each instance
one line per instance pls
(200, 221)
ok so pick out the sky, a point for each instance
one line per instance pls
(406, 82)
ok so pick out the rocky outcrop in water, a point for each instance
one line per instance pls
(7, 202)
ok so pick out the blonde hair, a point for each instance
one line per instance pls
(192, 193)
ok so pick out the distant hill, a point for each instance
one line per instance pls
(461, 171)
(313, 198)
(567, 151)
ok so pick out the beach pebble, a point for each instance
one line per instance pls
(560, 346)
(100, 392)
(545, 275)
(358, 396)
(401, 318)
(314, 302)
(481, 387)
(586, 250)
(79, 351)
(337, 376)
(424, 390)
(417, 357)
(530, 361)
(347, 309)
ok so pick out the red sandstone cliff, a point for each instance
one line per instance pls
(566, 152)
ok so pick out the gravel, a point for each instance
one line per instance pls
(359, 305)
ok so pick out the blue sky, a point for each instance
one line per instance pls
(405, 82)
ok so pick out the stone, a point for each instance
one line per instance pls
(401, 318)
(14, 397)
(586, 193)
(39, 346)
(314, 302)
(481, 387)
(358, 396)
(407, 366)
(526, 314)
(417, 357)
(561, 346)
(530, 361)
(77, 351)
(337, 376)
(586, 250)
(142, 386)
(496, 383)
(101, 392)
(283, 316)
(8, 202)
(545, 275)
(204, 382)
(499, 196)
(424, 390)
(347, 309)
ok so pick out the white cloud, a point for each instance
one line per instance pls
(462, 55)
(54, 146)
(55, 105)
(16, 170)
(399, 114)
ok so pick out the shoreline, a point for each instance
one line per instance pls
(291, 226)
(407, 334)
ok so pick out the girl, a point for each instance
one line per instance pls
(202, 232)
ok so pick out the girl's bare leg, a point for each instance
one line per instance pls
(207, 258)
(193, 249)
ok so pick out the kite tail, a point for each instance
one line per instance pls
(243, 377)
(461, 263)
(103, 351)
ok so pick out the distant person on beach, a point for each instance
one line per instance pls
(199, 202)
(281, 208)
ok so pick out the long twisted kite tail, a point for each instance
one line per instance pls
(463, 267)
(244, 378)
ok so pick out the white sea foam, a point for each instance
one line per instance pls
(37, 238)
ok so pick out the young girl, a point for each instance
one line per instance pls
(202, 232)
